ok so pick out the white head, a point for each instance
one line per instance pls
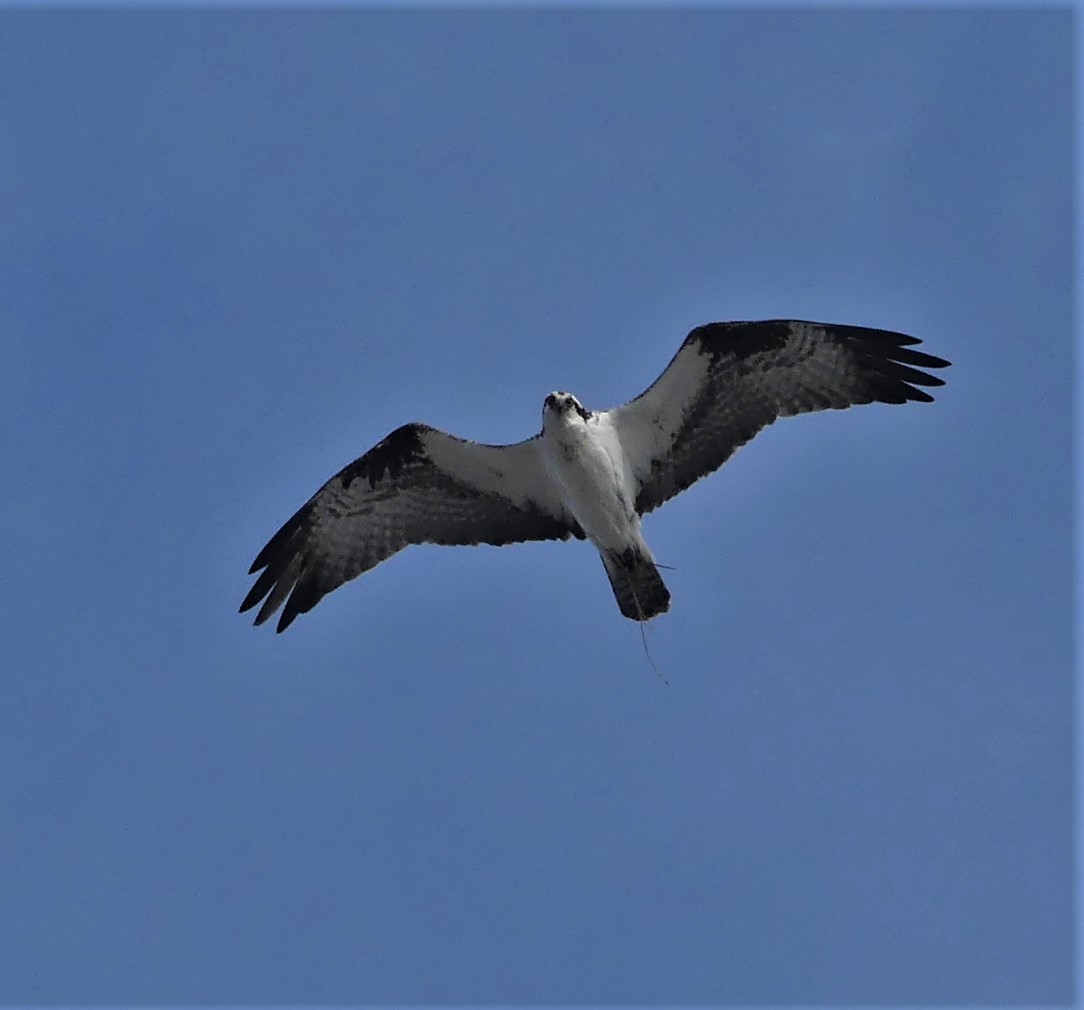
(563, 407)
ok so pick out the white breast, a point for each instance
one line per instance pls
(586, 460)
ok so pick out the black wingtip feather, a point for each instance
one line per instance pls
(897, 368)
(275, 561)
(259, 590)
(284, 622)
(306, 594)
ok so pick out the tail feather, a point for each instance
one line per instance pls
(641, 594)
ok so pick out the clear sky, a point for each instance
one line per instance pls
(239, 248)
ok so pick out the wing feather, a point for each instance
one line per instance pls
(730, 380)
(419, 485)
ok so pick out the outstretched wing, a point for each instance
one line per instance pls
(419, 485)
(730, 380)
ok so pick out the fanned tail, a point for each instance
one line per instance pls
(641, 594)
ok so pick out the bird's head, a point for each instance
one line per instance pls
(563, 406)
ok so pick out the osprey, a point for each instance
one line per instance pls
(587, 474)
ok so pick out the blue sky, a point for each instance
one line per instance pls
(241, 247)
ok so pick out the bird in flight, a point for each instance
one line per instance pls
(587, 474)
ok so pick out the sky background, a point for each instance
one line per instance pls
(239, 248)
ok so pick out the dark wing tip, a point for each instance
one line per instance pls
(254, 595)
(894, 370)
(309, 589)
(285, 620)
(889, 368)
(287, 577)
(280, 561)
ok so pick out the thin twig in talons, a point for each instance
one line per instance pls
(641, 620)
(643, 638)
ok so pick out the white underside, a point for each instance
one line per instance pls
(586, 460)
